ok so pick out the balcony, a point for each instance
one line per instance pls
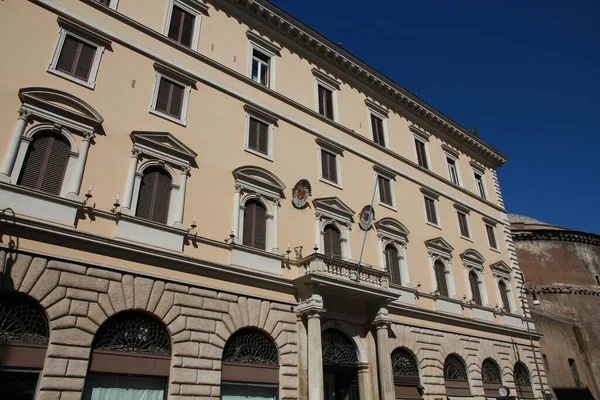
(345, 276)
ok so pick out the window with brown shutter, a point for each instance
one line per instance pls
(440, 278)
(491, 236)
(325, 102)
(45, 163)
(504, 295)
(474, 282)
(154, 195)
(377, 127)
(393, 264)
(332, 240)
(430, 210)
(103, 2)
(258, 136)
(255, 225)
(329, 166)
(385, 191)
(421, 154)
(169, 99)
(463, 224)
(181, 27)
(76, 57)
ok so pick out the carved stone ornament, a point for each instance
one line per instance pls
(301, 194)
(366, 218)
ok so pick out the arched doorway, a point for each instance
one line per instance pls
(340, 366)
(23, 343)
(131, 359)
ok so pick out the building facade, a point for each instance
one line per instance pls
(185, 193)
(564, 266)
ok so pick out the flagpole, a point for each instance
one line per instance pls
(362, 249)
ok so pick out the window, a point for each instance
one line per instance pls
(456, 379)
(430, 210)
(171, 95)
(259, 132)
(154, 195)
(440, 278)
(325, 98)
(108, 3)
(421, 153)
(474, 284)
(378, 130)
(463, 224)
(524, 390)
(491, 377)
(452, 170)
(77, 55)
(258, 136)
(385, 191)
(182, 23)
(260, 71)
(329, 166)
(46, 163)
(332, 240)
(491, 234)
(597, 279)
(405, 368)
(392, 258)
(255, 225)
(479, 184)
(504, 295)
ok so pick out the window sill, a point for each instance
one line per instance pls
(331, 183)
(168, 117)
(466, 238)
(81, 82)
(149, 233)
(393, 208)
(434, 225)
(259, 154)
(495, 250)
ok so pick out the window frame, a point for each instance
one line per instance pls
(335, 151)
(492, 228)
(452, 164)
(392, 232)
(324, 85)
(502, 272)
(480, 190)
(422, 137)
(172, 76)
(266, 118)
(196, 10)
(434, 197)
(272, 57)
(597, 276)
(462, 210)
(374, 110)
(269, 221)
(391, 177)
(91, 39)
(111, 4)
(440, 250)
(331, 210)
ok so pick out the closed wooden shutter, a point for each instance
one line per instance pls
(377, 126)
(430, 210)
(329, 166)
(255, 225)
(491, 236)
(154, 195)
(385, 191)
(474, 282)
(258, 136)
(440, 277)
(46, 163)
(393, 264)
(332, 241)
(76, 58)
(169, 99)
(181, 27)
(504, 296)
(462, 222)
(325, 102)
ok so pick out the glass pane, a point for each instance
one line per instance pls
(231, 391)
(120, 387)
(255, 65)
(18, 385)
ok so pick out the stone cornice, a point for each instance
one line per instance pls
(291, 28)
(576, 290)
(556, 234)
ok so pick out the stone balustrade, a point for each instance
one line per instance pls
(344, 269)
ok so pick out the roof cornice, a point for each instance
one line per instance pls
(555, 234)
(293, 29)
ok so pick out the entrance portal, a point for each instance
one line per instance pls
(340, 366)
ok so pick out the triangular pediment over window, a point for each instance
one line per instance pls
(501, 267)
(393, 227)
(335, 206)
(163, 145)
(472, 256)
(259, 178)
(440, 245)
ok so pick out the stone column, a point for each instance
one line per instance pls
(237, 197)
(364, 382)
(13, 146)
(318, 232)
(384, 358)
(129, 185)
(180, 206)
(275, 237)
(77, 176)
(312, 308)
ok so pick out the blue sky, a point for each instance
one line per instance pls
(526, 73)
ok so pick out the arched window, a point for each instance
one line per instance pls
(154, 195)
(474, 283)
(575, 373)
(46, 163)
(131, 358)
(504, 295)
(491, 377)
(523, 381)
(406, 374)
(250, 366)
(338, 349)
(332, 240)
(255, 225)
(440, 278)
(455, 377)
(23, 343)
(392, 260)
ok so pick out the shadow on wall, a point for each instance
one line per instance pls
(7, 217)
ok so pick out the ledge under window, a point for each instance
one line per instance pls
(150, 233)
(261, 260)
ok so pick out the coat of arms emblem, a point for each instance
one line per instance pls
(301, 193)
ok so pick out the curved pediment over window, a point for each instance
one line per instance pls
(393, 227)
(260, 178)
(56, 105)
(472, 256)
